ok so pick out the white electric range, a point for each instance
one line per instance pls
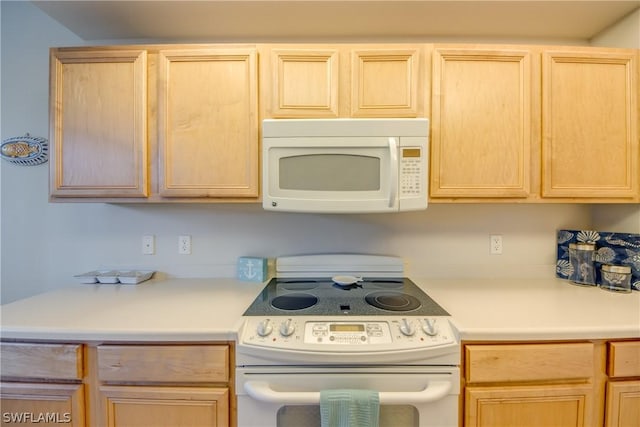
(346, 322)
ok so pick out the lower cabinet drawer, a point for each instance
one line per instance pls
(163, 363)
(528, 362)
(41, 361)
(623, 359)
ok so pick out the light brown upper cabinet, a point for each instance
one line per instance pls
(98, 120)
(160, 123)
(304, 83)
(385, 82)
(590, 124)
(484, 122)
(328, 81)
(208, 123)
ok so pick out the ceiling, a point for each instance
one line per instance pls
(348, 20)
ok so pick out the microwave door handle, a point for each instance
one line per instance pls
(260, 390)
(393, 171)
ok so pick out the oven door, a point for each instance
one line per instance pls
(290, 396)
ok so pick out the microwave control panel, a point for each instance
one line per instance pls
(411, 171)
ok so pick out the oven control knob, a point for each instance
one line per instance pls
(406, 328)
(264, 328)
(287, 328)
(429, 327)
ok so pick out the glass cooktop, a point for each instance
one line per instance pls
(323, 297)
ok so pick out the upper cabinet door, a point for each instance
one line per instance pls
(483, 122)
(208, 123)
(384, 83)
(329, 81)
(590, 119)
(98, 119)
(304, 83)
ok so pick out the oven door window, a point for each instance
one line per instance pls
(309, 416)
(329, 172)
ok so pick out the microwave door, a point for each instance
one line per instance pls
(350, 175)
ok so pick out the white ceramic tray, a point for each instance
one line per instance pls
(128, 277)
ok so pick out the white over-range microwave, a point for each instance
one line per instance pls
(345, 165)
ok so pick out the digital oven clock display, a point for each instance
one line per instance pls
(346, 327)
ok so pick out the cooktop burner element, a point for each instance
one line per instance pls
(294, 301)
(322, 297)
(393, 301)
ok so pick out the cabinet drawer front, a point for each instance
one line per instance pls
(624, 359)
(168, 364)
(51, 361)
(528, 362)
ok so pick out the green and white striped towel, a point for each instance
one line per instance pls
(349, 408)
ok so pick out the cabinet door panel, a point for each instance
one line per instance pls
(481, 123)
(623, 404)
(384, 83)
(98, 123)
(304, 83)
(535, 406)
(129, 406)
(208, 123)
(42, 404)
(590, 118)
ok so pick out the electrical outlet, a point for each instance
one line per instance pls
(184, 245)
(495, 241)
(148, 244)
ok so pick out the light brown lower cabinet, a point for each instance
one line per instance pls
(117, 385)
(29, 403)
(529, 406)
(623, 386)
(505, 384)
(42, 383)
(162, 406)
(551, 384)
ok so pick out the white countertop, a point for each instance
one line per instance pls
(535, 309)
(155, 310)
(210, 310)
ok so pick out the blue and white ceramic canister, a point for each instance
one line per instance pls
(581, 257)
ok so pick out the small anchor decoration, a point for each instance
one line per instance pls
(249, 272)
(25, 150)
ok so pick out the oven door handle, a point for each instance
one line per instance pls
(260, 390)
